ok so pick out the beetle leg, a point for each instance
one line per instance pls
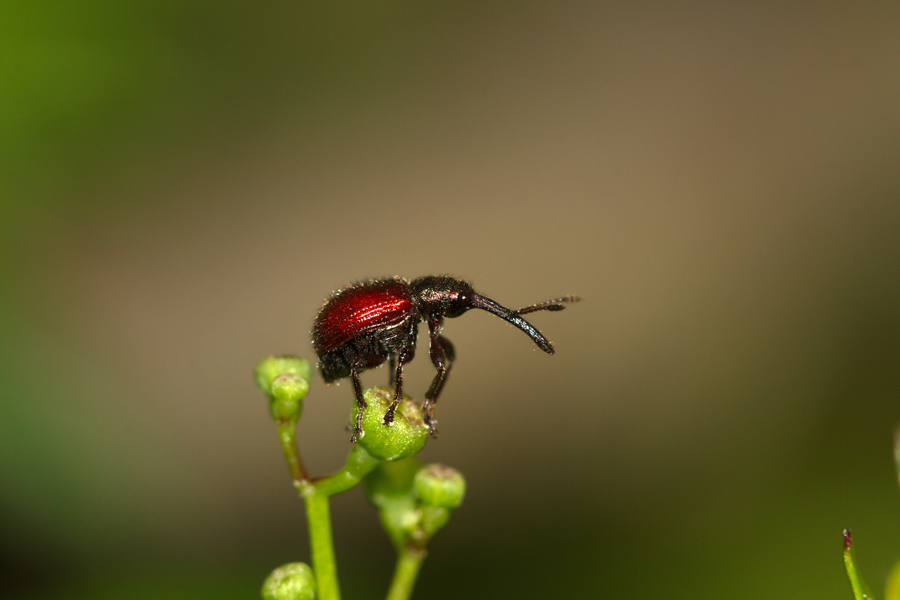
(392, 368)
(442, 355)
(360, 403)
(397, 380)
(396, 362)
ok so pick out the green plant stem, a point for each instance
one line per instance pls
(321, 544)
(287, 434)
(409, 561)
(359, 464)
(316, 495)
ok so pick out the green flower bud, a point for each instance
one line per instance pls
(403, 437)
(293, 581)
(271, 367)
(439, 486)
(285, 380)
(286, 401)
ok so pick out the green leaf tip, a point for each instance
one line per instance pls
(860, 589)
(293, 581)
(403, 437)
(439, 486)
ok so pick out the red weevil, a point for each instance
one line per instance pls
(362, 326)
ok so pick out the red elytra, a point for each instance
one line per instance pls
(361, 309)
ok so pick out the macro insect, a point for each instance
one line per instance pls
(362, 326)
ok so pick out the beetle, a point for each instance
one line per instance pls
(363, 325)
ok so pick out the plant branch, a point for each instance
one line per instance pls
(321, 544)
(409, 561)
(288, 437)
(359, 464)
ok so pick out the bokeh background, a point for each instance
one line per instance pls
(183, 183)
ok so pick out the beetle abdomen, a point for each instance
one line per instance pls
(378, 305)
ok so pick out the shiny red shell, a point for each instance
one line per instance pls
(355, 311)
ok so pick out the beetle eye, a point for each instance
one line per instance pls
(457, 306)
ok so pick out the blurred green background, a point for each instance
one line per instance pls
(183, 183)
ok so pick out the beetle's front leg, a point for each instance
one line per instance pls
(442, 355)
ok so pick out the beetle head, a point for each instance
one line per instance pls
(439, 295)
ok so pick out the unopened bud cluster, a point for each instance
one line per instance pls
(285, 380)
(414, 502)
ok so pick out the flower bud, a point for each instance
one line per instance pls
(286, 401)
(403, 437)
(272, 366)
(285, 380)
(293, 581)
(439, 486)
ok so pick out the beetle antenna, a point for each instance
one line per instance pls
(512, 316)
(551, 305)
